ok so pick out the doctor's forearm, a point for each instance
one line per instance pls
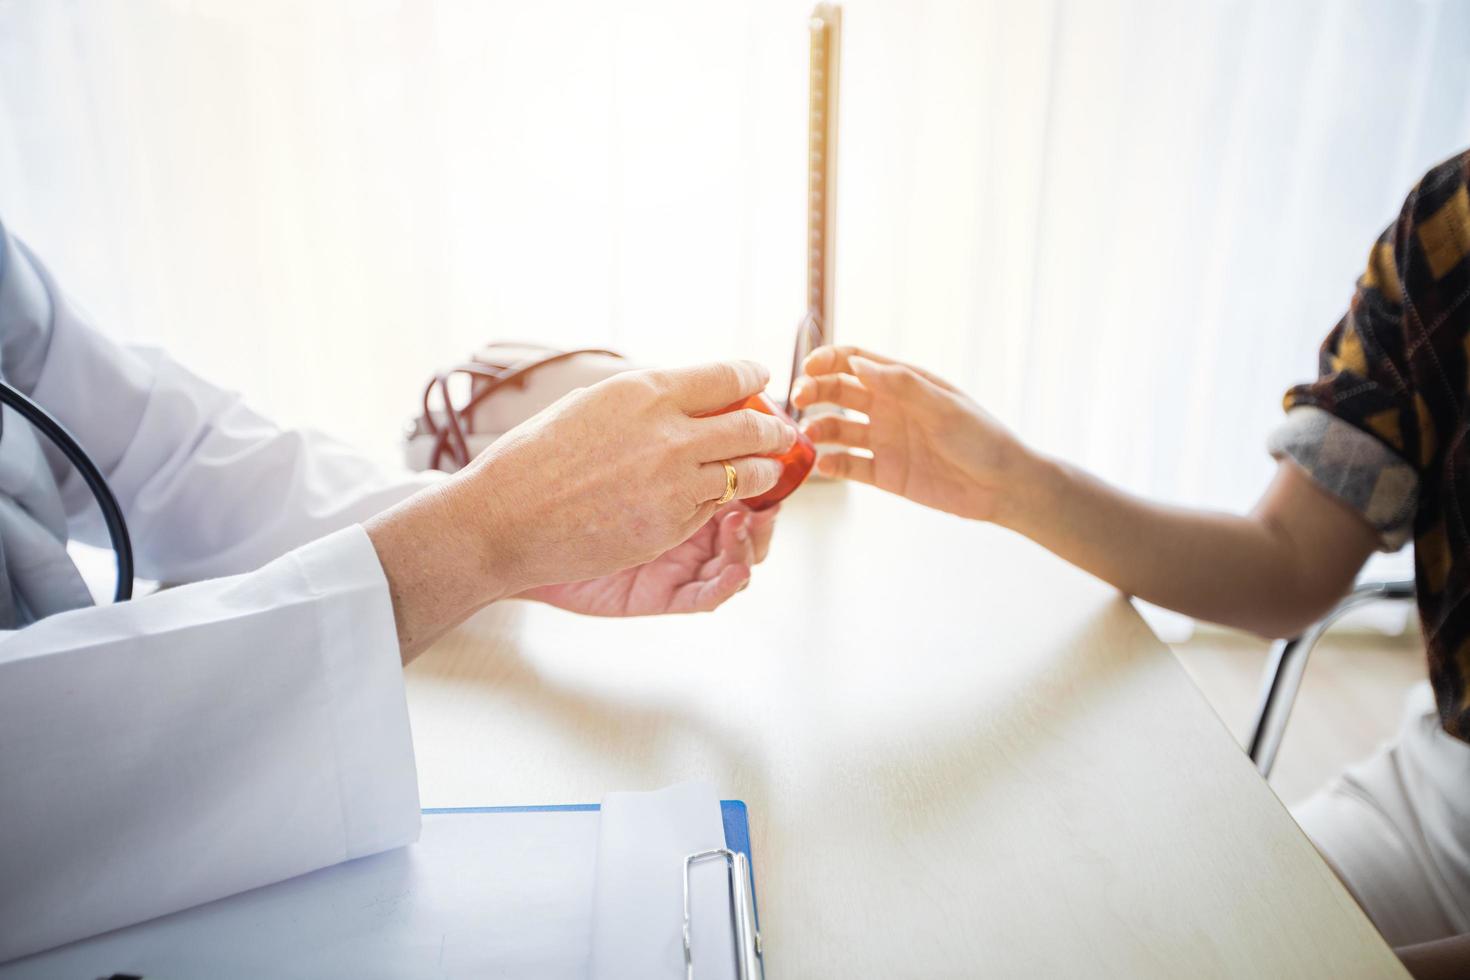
(440, 558)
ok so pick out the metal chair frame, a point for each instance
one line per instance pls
(1283, 677)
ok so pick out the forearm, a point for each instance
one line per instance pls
(439, 553)
(1242, 571)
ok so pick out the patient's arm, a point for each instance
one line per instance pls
(1272, 571)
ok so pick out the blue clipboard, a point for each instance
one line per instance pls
(744, 913)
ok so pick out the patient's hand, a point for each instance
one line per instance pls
(695, 576)
(929, 441)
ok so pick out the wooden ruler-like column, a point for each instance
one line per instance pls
(821, 222)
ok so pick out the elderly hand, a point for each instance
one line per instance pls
(696, 576)
(928, 441)
(608, 478)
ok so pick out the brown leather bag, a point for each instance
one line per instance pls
(507, 383)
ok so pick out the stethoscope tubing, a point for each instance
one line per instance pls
(112, 515)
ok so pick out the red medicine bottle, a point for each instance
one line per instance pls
(796, 462)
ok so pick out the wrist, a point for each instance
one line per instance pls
(1032, 487)
(484, 527)
(442, 558)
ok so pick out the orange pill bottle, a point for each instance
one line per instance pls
(796, 462)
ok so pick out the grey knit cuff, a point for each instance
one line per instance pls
(1353, 466)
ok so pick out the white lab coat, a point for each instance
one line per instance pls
(220, 735)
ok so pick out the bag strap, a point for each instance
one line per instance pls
(485, 379)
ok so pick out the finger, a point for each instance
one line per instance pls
(733, 544)
(902, 380)
(709, 387)
(761, 527)
(734, 528)
(838, 360)
(743, 433)
(707, 595)
(837, 429)
(754, 475)
(834, 389)
(832, 359)
(847, 466)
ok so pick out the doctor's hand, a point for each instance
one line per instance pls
(695, 576)
(606, 479)
(923, 438)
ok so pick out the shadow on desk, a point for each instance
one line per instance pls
(622, 743)
(958, 754)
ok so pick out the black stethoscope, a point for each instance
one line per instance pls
(117, 528)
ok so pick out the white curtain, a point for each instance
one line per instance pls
(1124, 226)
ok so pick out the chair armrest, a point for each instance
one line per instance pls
(1288, 662)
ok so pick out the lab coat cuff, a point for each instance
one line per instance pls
(377, 780)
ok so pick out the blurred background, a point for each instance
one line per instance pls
(1124, 226)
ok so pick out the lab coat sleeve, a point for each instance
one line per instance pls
(209, 487)
(199, 742)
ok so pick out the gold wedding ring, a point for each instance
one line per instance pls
(731, 483)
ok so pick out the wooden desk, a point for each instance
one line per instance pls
(961, 756)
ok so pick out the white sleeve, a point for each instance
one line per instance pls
(209, 487)
(199, 742)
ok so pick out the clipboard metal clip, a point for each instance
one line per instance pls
(749, 962)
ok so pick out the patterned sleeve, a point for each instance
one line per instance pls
(1362, 430)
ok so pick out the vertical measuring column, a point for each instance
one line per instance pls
(815, 328)
(821, 221)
